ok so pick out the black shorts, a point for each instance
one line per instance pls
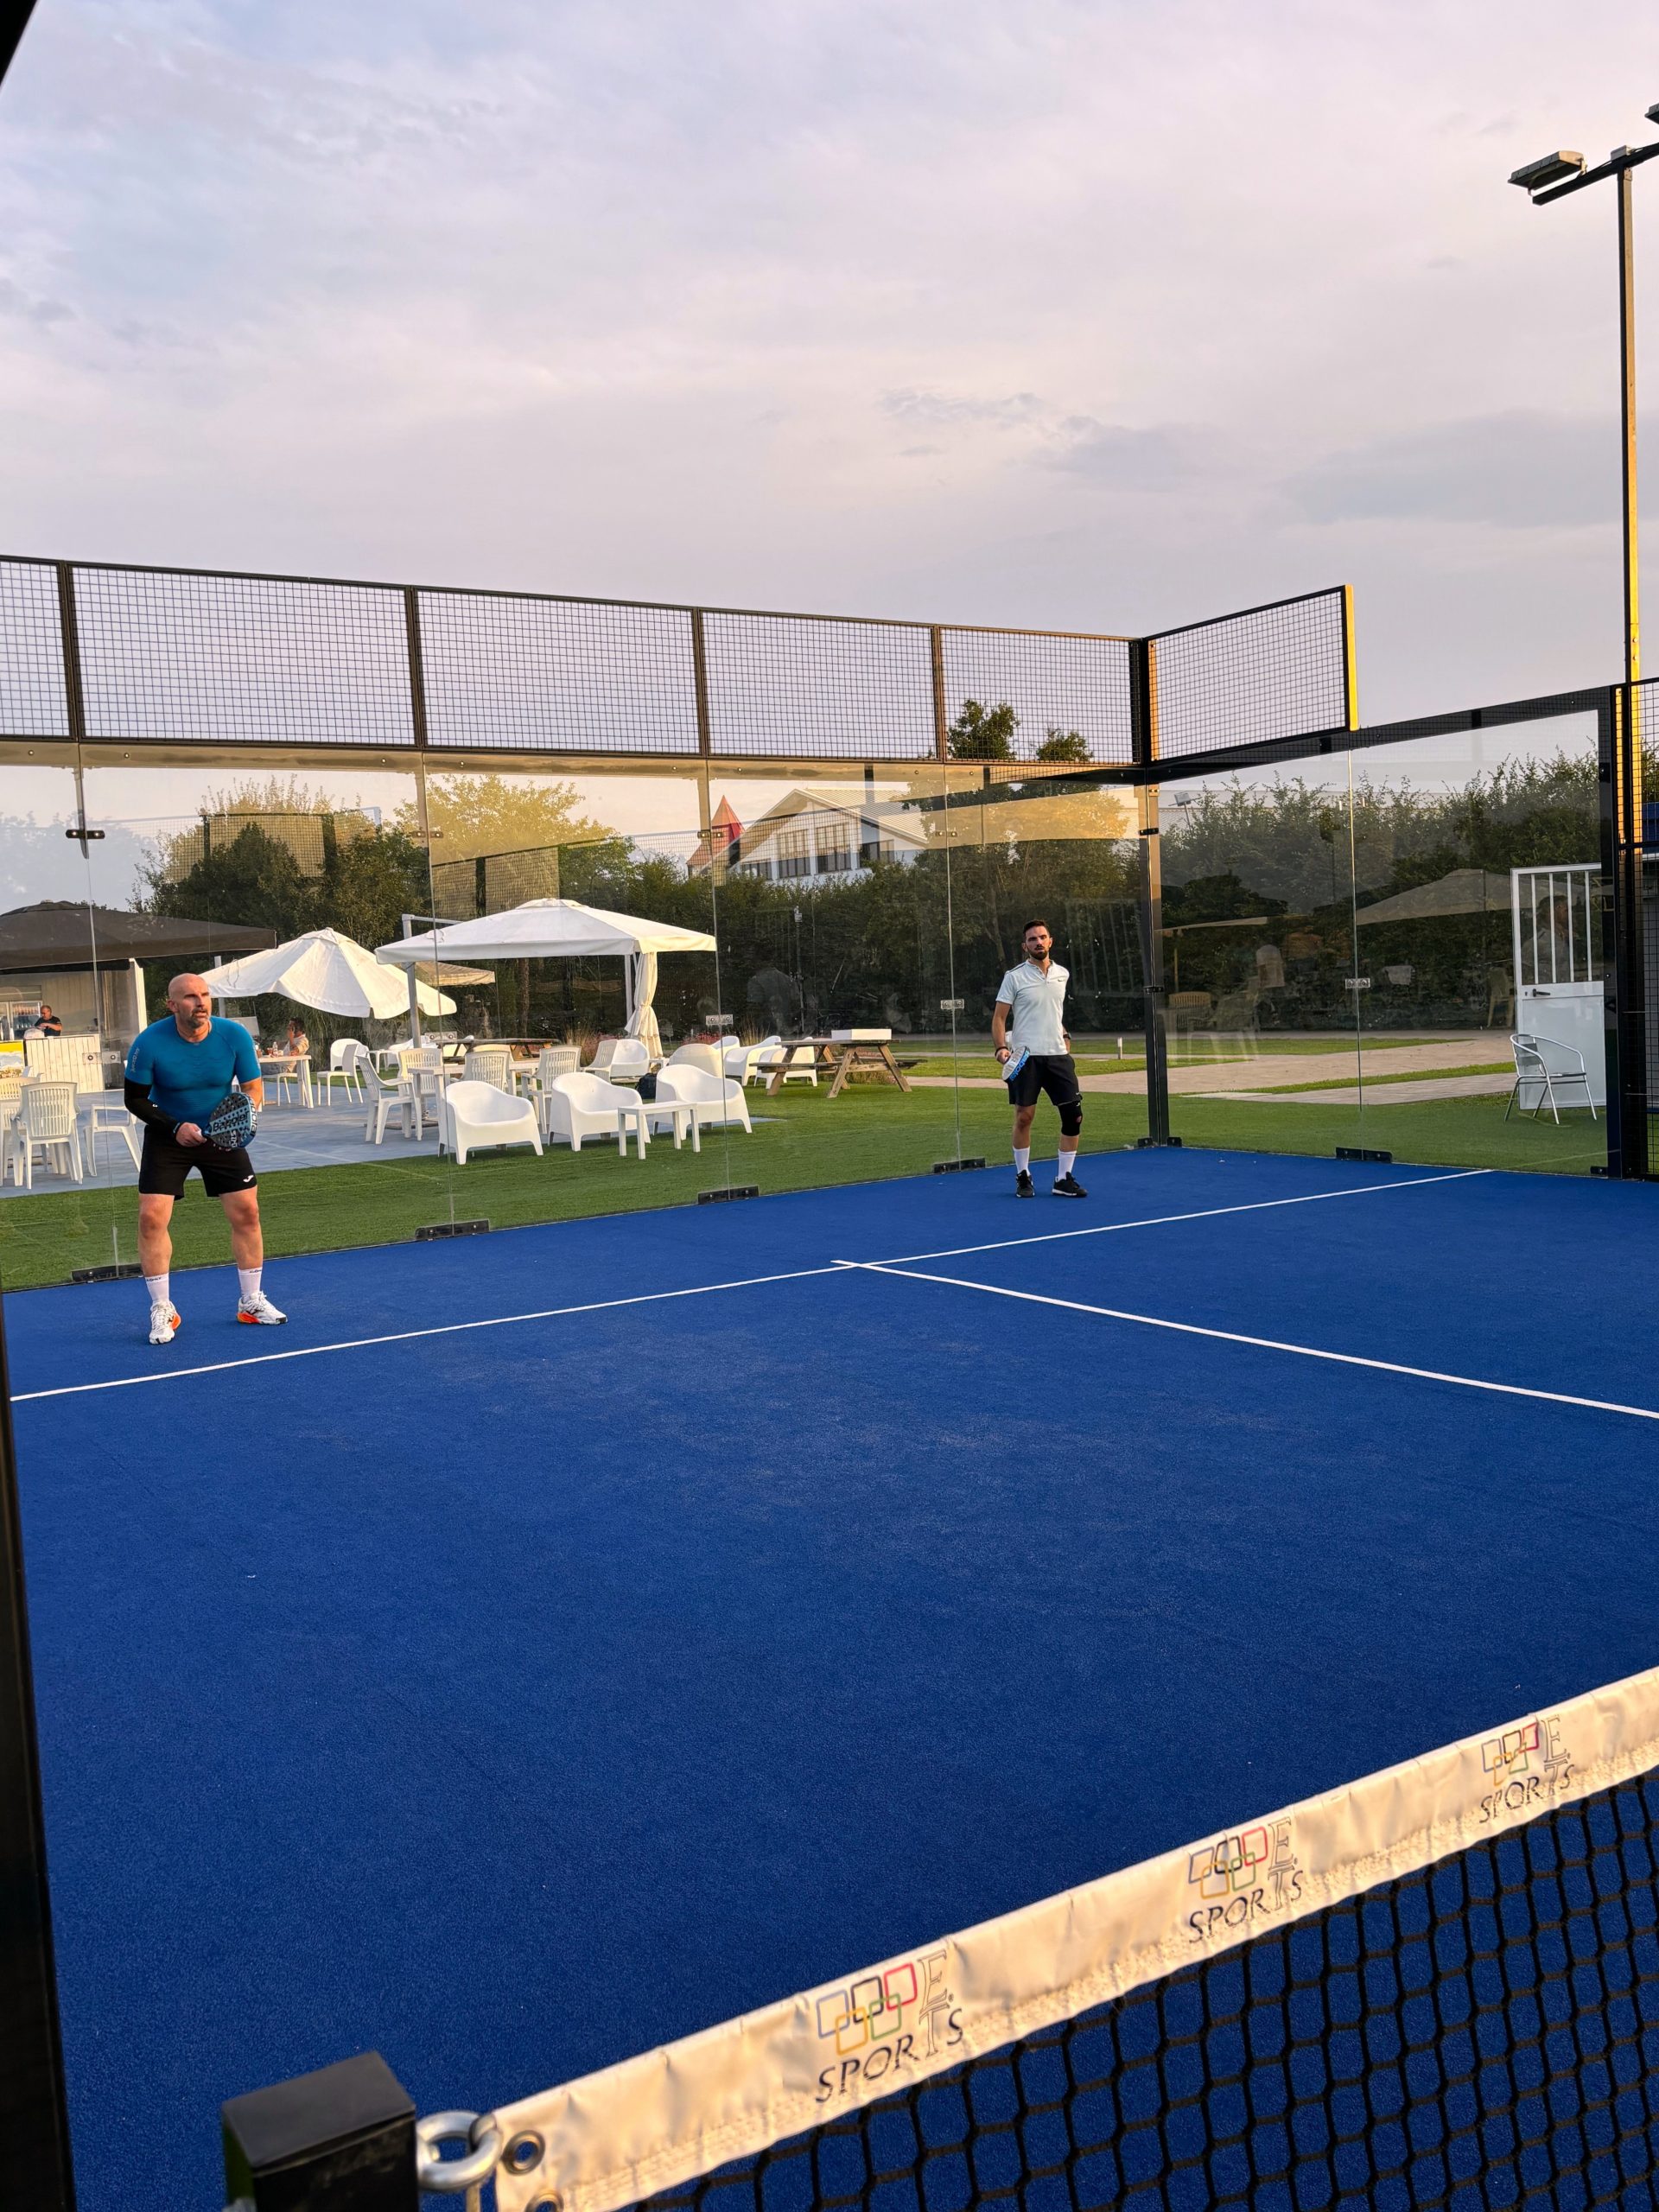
(166, 1162)
(1053, 1073)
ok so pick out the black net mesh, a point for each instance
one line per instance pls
(192, 658)
(32, 699)
(1483, 2033)
(557, 675)
(1274, 673)
(1069, 694)
(798, 685)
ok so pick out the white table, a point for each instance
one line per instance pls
(275, 1064)
(681, 1112)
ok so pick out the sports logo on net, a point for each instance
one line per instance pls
(884, 2022)
(1526, 1766)
(1243, 1878)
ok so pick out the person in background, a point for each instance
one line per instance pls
(296, 1045)
(47, 1023)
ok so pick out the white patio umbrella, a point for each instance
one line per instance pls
(563, 929)
(333, 973)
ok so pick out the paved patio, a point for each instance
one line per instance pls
(289, 1136)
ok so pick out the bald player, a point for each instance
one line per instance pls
(177, 1071)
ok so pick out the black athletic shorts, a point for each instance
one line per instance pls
(1053, 1073)
(166, 1162)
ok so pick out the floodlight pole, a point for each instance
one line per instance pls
(1537, 181)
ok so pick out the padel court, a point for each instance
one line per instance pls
(552, 1644)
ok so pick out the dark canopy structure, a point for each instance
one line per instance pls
(65, 934)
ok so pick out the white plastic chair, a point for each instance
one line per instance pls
(387, 1096)
(739, 1061)
(45, 1122)
(342, 1069)
(473, 1114)
(799, 1062)
(709, 1057)
(106, 1116)
(1552, 1070)
(716, 1101)
(490, 1063)
(585, 1105)
(604, 1053)
(630, 1060)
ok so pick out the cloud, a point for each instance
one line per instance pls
(1153, 460)
(1515, 471)
(937, 408)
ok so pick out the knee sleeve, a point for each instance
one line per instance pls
(1071, 1119)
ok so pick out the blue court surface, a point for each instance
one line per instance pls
(512, 1698)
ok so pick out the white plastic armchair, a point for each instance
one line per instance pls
(1547, 1074)
(490, 1064)
(341, 1070)
(630, 1060)
(749, 1062)
(709, 1058)
(472, 1115)
(716, 1100)
(386, 1096)
(799, 1062)
(585, 1105)
(604, 1053)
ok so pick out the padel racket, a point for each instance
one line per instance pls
(1011, 1067)
(230, 1124)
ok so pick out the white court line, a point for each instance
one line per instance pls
(1164, 1220)
(1260, 1343)
(408, 1336)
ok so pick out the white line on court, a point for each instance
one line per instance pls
(1165, 1220)
(442, 1329)
(1260, 1343)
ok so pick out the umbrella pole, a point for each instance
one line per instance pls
(414, 992)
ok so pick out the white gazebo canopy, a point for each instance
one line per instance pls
(562, 929)
(331, 973)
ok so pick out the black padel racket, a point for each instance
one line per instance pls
(231, 1123)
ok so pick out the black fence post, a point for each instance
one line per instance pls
(35, 2171)
(1143, 724)
(1618, 758)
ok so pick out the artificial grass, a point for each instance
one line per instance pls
(802, 1141)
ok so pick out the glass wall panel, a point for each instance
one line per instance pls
(1041, 847)
(57, 999)
(1258, 953)
(1480, 921)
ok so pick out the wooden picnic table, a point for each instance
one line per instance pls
(837, 1056)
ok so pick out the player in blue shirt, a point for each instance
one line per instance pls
(178, 1070)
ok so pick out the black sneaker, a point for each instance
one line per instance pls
(1023, 1185)
(1069, 1188)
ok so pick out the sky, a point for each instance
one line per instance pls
(1070, 313)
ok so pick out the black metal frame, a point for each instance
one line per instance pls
(36, 2170)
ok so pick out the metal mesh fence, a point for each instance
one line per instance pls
(192, 658)
(1482, 2033)
(492, 882)
(1069, 694)
(1274, 672)
(308, 838)
(549, 675)
(819, 688)
(32, 698)
(214, 659)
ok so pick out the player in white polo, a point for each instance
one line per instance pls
(1030, 1017)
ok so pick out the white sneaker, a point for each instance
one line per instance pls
(258, 1310)
(164, 1321)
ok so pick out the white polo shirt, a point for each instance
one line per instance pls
(1037, 1023)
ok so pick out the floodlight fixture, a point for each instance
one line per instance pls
(1653, 112)
(1547, 169)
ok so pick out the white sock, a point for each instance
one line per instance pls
(247, 1282)
(1067, 1161)
(157, 1288)
(1022, 1157)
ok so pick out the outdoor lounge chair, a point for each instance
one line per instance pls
(585, 1105)
(716, 1101)
(472, 1115)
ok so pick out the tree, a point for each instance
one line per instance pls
(982, 733)
(1064, 744)
(470, 815)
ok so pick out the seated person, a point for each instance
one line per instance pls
(296, 1045)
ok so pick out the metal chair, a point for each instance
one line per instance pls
(1553, 1069)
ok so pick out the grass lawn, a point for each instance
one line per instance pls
(806, 1140)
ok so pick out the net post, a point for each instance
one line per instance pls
(36, 2168)
(416, 668)
(1619, 749)
(1143, 725)
(700, 687)
(341, 2139)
